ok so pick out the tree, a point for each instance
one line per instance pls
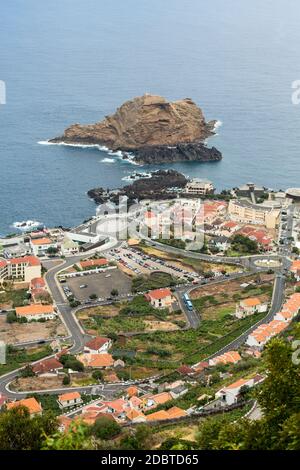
(66, 379)
(76, 438)
(290, 434)
(11, 317)
(244, 244)
(279, 395)
(244, 390)
(93, 296)
(52, 250)
(27, 372)
(209, 433)
(105, 428)
(114, 292)
(19, 431)
(70, 362)
(137, 439)
(97, 375)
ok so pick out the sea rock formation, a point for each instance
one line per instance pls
(156, 187)
(153, 129)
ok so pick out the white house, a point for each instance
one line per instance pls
(230, 394)
(262, 334)
(98, 345)
(69, 399)
(36, 312)
(160, 298)
(250, 306)
(40, 246)
(284, 316)
(69, 247)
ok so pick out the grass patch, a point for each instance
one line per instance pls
(168, 349)
(15, 298)
(16, 358)
(153, 281)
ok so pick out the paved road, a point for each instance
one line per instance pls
(256, 413)
(246, 261)
(63, 306)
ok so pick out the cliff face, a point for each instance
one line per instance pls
(148, 123)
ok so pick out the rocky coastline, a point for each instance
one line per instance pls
(160, 185)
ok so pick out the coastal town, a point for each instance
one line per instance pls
(142, 328)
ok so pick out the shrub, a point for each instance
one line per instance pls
(66, 379)
(105, 428)
(27, 372)
(11, 317)
(97, 375)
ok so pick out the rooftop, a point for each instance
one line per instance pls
(97, 343)
(69, 396)
(159, 294)
(34, 309)
(41, 241)
(31, 403)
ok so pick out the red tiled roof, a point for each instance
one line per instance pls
(37, 283)
(69, 396)
(34, 309)
(41, 241)
(30, 260)
(159, 294)
(31, 403)
(93, 262)
(97, 343)
(47, 365)
(185, 370)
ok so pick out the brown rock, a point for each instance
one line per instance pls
(145, 121)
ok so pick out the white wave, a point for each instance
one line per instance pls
(26, 225)
(82, 146)
(117, 154)
(134, 176)
(218, 124)
(108, 160)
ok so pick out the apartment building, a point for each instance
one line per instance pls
(197, 187)
(24, 268)
(245, 212)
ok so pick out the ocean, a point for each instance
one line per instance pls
(68, 61)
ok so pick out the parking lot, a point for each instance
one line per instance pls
(100, 284)
(139, 263)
